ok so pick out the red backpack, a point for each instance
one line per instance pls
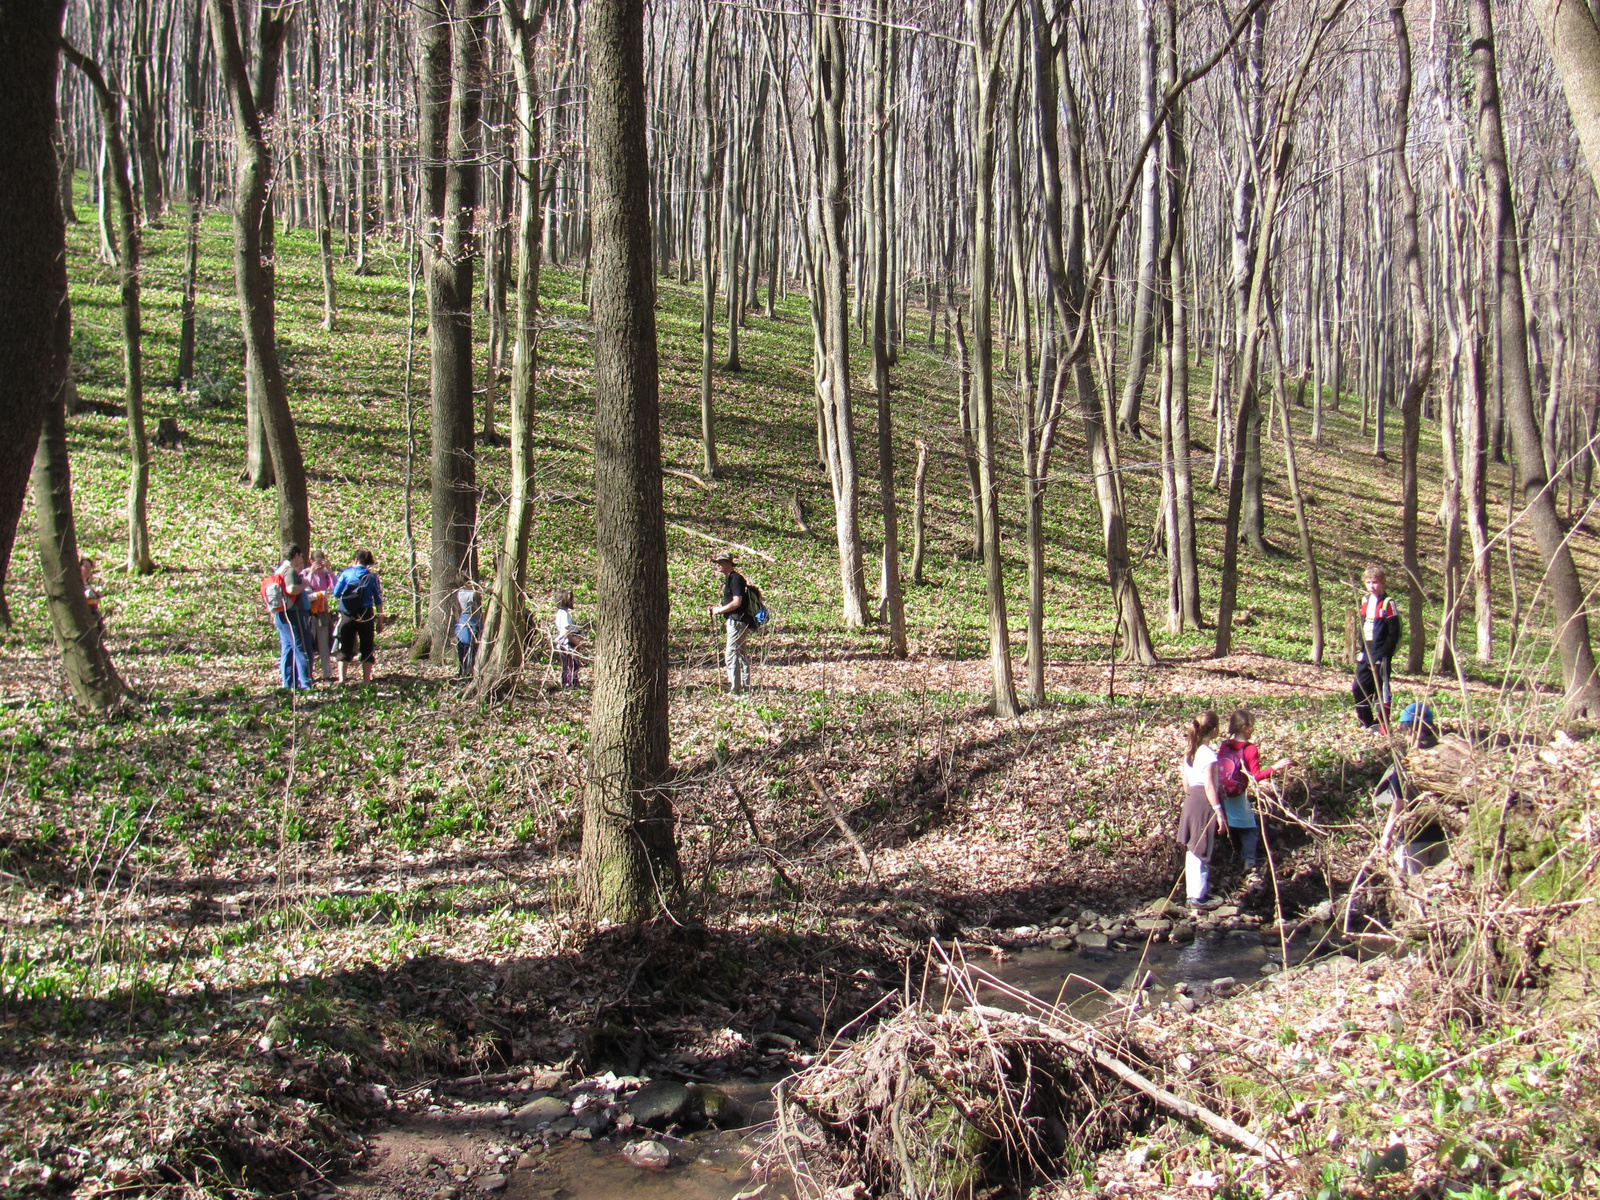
(1231, 775)
(274, 593)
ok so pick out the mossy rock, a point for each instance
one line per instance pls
(944, 1151)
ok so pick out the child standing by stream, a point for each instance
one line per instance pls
(1202, 808)
(1239, 761)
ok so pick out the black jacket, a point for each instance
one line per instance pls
(1380, 627)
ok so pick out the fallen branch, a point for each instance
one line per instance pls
(719, 541)
(844, 827)
(1188, 1109)
(673, 471)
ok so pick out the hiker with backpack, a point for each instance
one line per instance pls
(288, 603)
(738, 619)
(359, 593)
(1202, 809)
(1238, 762)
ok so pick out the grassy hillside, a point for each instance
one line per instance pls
(213, 536)
(381, 877)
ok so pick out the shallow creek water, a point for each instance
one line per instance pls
(713, 1165)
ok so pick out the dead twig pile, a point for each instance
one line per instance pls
(936, 1105)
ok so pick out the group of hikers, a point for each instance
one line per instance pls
(322, 615)
(319, 614)
(1216, 780)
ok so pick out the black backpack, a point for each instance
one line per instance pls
(755, 611)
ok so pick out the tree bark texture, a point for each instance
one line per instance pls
(450, 54)
(33, 277)
(629, 869)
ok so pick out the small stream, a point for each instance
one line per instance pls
(714, 1164)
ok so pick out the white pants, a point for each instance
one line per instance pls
(1197, 875)
(733, 653)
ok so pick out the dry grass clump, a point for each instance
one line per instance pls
(938, 1105)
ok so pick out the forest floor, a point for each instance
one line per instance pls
(241, 930)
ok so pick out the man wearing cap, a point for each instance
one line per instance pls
(732, 610)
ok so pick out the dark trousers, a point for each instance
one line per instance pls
(1371, 687)
(466, 656)
(569, 668)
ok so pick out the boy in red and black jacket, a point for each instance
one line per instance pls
(1380, 638)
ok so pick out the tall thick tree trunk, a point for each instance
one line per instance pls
(252, 269)
(450, 53)
(506, 626)
(1420, 373)
(138, 561)
(1178, 352)
(629, 869)
(1561, 573)
(893, 601)
(33, 271)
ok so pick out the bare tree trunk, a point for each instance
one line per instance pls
(33, 265)
(711, 148)
(629, 869)
(840, 423)
(986, 70)
(138, 561)
(1566, 590)
(1421, 371)
(1249, 365)
(252, 271)
(1570, 28)
(969, 434)
(194, 187)
(893, 601)
(94, 681)
(919, 512)
(506, 625)
(1142, 340)
(1178, 354)
(450, 50)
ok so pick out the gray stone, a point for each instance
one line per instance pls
(1153, 925)
(1163, 908)
(1270, 968)
(1087, 916)
(1181, 988)
(527, 1161)
(663, 1102)
(1186, 1003)
(1224, 984)
(1225, 910)
(594, 1119)
(1093, 940)
(1061, 943)
(564, 1125)
(492, 1183)
(541, 1112)
(1115, 931)
(1183, 932)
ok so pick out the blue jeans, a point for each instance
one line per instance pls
(294, 660)
(1249, 841)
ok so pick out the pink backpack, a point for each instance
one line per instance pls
(1231, 775)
